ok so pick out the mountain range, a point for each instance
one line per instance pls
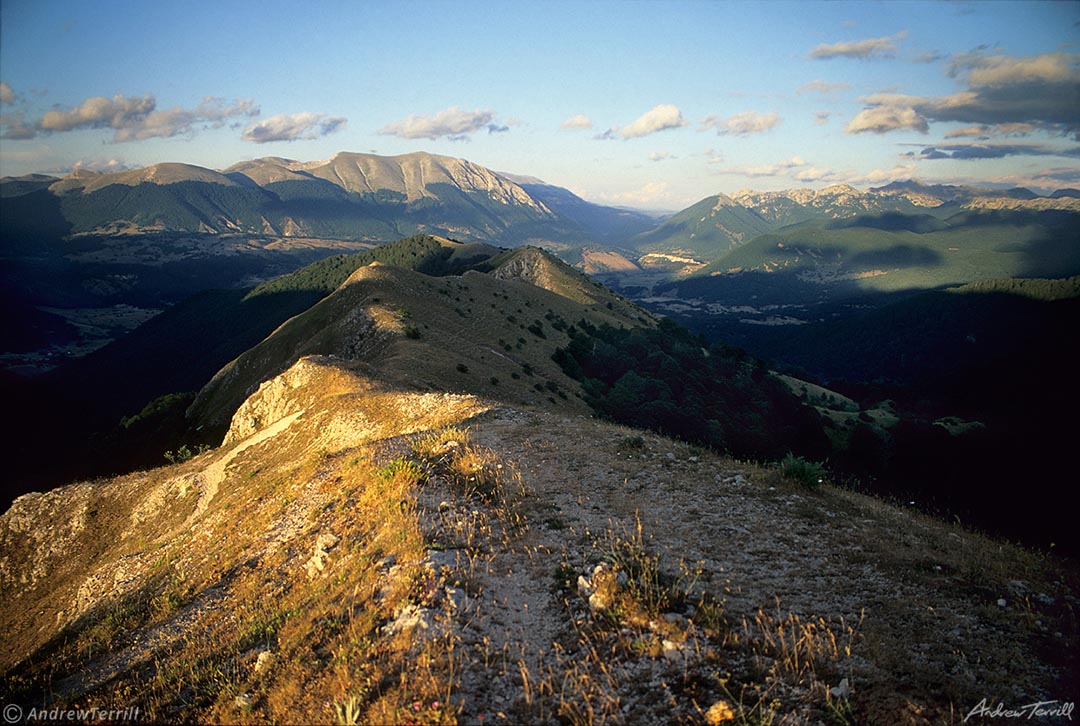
(718, 224)
(351, 196)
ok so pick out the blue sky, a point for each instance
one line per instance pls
(648, 104)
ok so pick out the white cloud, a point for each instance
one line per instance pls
(1002, 70)
(885, 115)
(132, 118)
(6, 94)
(868, 48)
(1008, 92)
(210, 113)
(118, 112)
(102, 165)
(610, 135)
(660, 155)
(741, 124)
(813, 174)
(660, 118)
(822, 117)
(900, 172)
(580, 121)
(293, 127)
(452, 123)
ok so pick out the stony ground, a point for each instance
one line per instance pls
(354, 554)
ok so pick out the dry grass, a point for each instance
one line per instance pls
(451, 587)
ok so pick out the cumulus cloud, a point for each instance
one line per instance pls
(580, 121)
(6, 94)
(1042, 91)
(132, 118)
(741, 124)
(825, 88)
(119, 112)
(887, 113)
(210, 113)
(868, 48)
(293, 127)
(900, 172)
(660, 155)
(102, 165)
(822, 117)
(610, 135)
(453, 123)
(660, 118)
(983, 70)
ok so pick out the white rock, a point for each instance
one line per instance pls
(672, 650)
(265, 661)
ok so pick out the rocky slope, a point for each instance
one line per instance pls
(359, 552)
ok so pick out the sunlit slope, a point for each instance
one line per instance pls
(488, 333)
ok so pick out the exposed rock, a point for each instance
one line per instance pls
(323, 544)
(264, 662)
(843, 690)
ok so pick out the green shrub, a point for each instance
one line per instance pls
(808, 473)
(402, 466)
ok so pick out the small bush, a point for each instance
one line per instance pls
(462, 368)
(808, 473)
(398, 466)
(183, 453)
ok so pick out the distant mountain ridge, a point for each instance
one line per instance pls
(718, 224)
(352, 196)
